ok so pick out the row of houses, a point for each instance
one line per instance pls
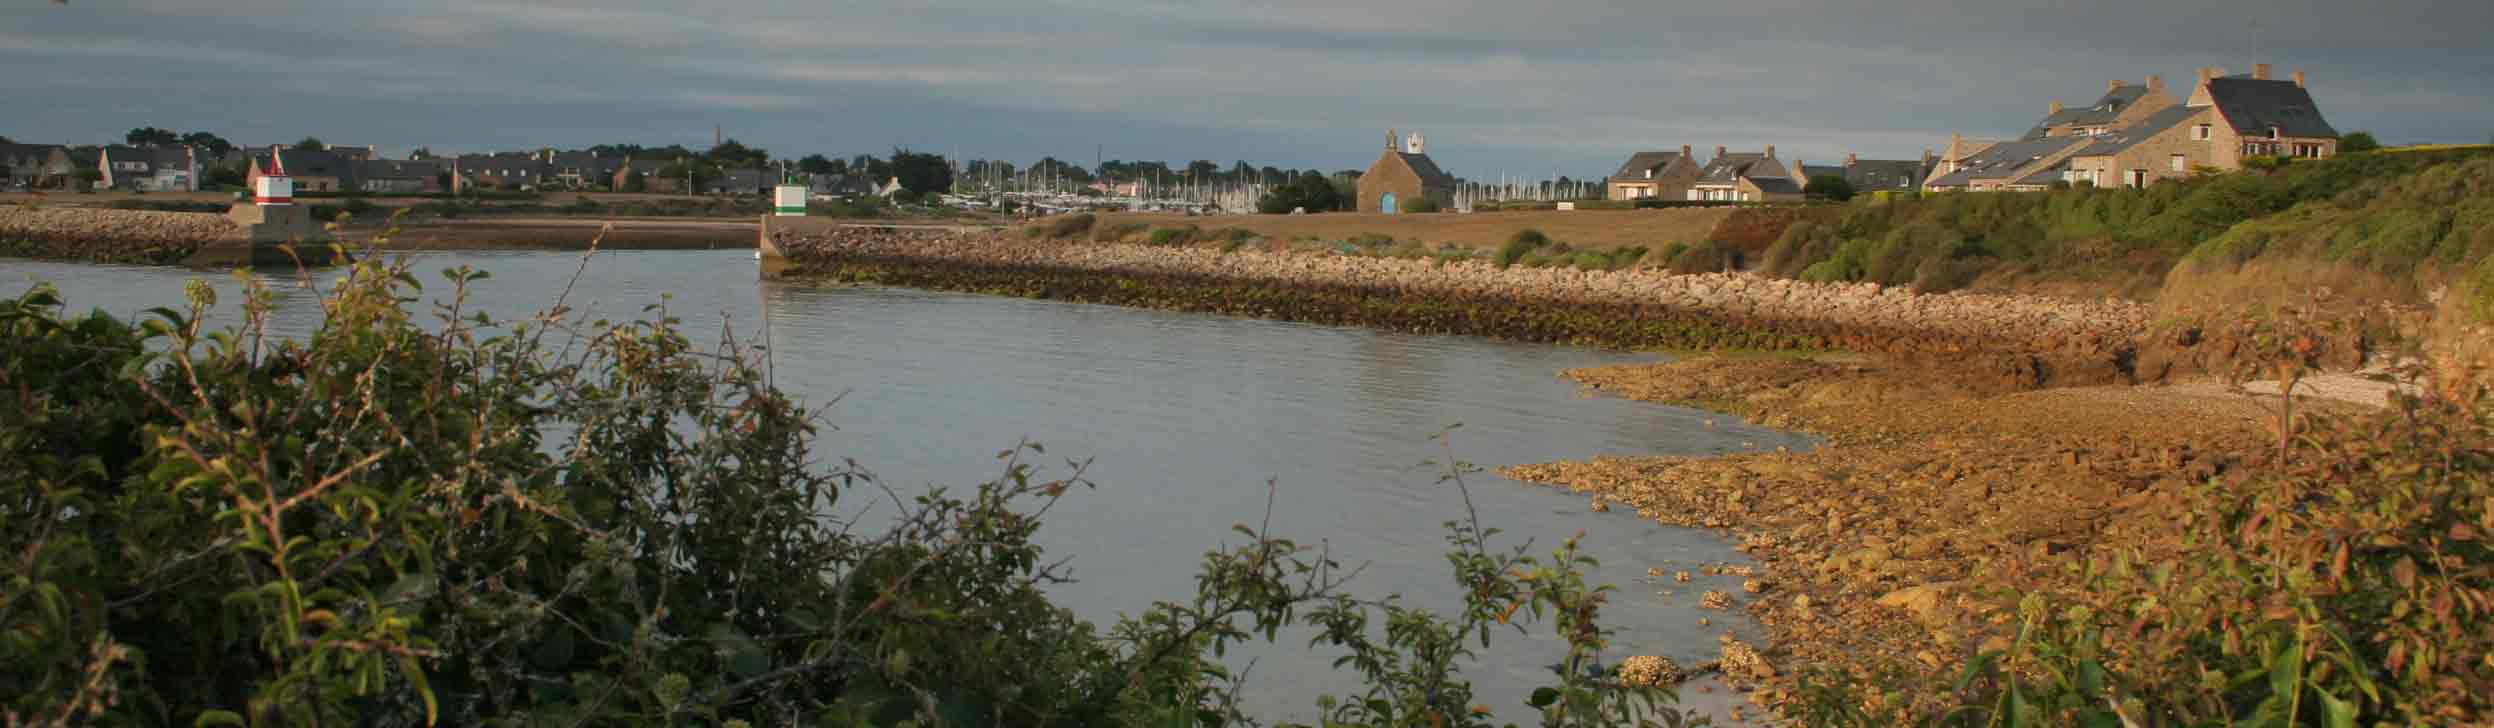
(2135, 135)
(1758, 176)
(2138, 134)
(338, 169)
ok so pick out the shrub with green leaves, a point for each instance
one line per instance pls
(1522, 243)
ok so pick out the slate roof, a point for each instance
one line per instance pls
(2132, 135)
(1814, 171)
(507, 164)
(31, 154)
(746, 180)
(1427, 170)
(1639, 162)
(396, 169)
(2104, 111)
(2254, 105)
(1729, 167)
(154, 157)
(1776, 185)
(1884, 174)
(590, 164)
(2005, 158)
(2046, 175)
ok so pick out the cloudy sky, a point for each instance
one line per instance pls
(1507, 87)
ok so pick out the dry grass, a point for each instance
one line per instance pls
(1580, 229)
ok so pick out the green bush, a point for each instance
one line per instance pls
(1072, 226)
(433, 518)
(1177, 236)
(1418, 205)
(1523, 242)
(1114, 233)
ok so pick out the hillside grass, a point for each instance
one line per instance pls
(2398, 221)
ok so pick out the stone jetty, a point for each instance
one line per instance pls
(2031, 339)
(139, 237)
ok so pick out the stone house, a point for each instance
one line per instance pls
(2158, 148)
(27, 165)
(397, 176)
(1870, 175)
(1745, 177)
(504, 170)
(313, 170)
(2122, 106)
(2257, 116)
(584, 170)
(1654, 175)
(651, 179)
(149, 169)
(1402, 174)
(2227, 119)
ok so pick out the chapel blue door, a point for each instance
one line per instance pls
(1386, 204)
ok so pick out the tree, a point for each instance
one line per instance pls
(732, 153)
(1309, 191)
(148, 136)
(922, 173)
(223, 176)
(1828, 187)
(215, 146)
(2357, 141)
(6, 140)
(310, 144)
(814, 164)
(634, 181)
(420, 153)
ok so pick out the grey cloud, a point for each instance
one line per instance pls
(1522, 87)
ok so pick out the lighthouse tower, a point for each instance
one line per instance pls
(274, 187)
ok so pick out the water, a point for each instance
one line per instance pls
(1184, 417)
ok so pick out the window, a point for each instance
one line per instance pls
(2178, 163)
(2273, 132)
(2200, 133)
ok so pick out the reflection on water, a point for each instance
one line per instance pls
(1184, 418)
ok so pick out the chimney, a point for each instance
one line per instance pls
(1850, 158)
(1770, 151)
(2156, 83)
(2056, 106)
(2113, 85)
(2260, 71)
(2207, 73)
(2299, 78)
(1684, 152)
(1719, 151)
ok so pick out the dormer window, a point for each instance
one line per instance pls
(2273, 132)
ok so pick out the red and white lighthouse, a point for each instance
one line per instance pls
(274, 187)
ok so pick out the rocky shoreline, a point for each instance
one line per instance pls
(2018, 342)
(110, 236)
(1904, 544)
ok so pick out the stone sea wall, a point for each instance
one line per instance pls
(2021, 341)
(110, 236)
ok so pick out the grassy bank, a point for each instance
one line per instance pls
(2390, 224)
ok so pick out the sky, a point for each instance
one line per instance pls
(1502, 88)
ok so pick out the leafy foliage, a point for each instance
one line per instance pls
(1828, 187)
(2357, 141)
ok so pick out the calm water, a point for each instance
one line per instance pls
(1185, 418)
